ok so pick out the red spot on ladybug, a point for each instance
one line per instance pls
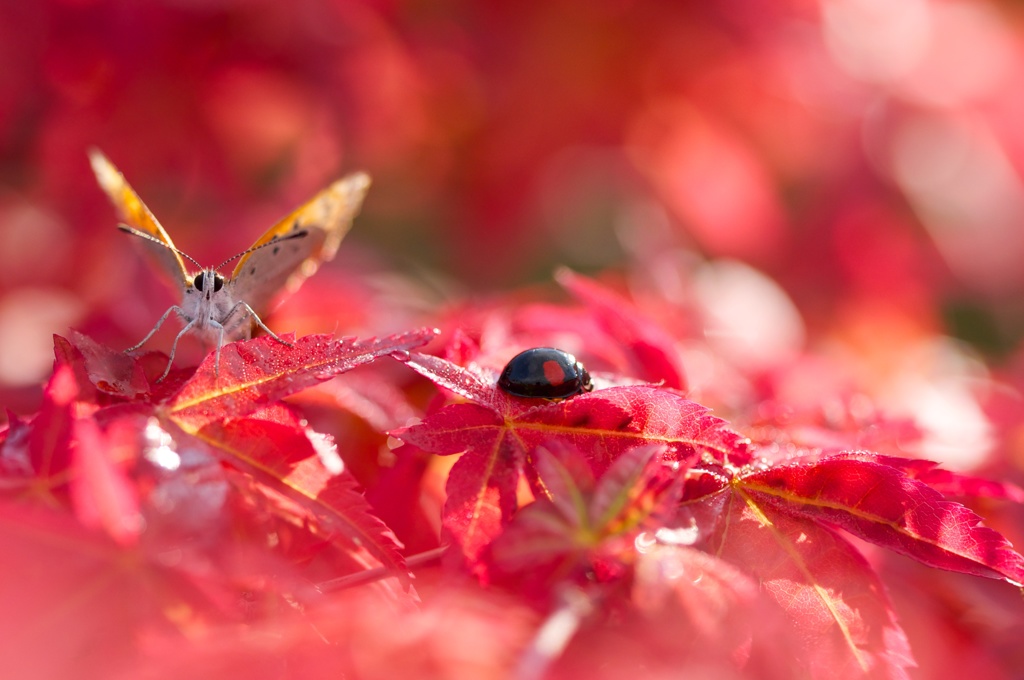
(544, 373)
(554, 373)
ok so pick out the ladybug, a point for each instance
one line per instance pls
(544, 373)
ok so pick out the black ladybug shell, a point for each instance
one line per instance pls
(544, 373)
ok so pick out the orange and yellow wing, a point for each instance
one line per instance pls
(325, 219)
(134, 213)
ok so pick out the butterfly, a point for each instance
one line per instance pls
(217, 307)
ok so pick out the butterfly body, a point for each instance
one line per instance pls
(218, 308)
(209, 311)
(212, 310)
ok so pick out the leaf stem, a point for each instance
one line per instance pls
(370, 575)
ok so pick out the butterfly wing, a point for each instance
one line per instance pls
(136, 215)
(326, 219)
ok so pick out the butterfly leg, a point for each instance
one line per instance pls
(230, 323)
(159, 323)
(174, 345)
(220, 343)
(242, 306)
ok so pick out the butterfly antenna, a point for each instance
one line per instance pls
(141, 234)
(302, 233)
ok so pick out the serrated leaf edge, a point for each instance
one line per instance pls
(797, 500)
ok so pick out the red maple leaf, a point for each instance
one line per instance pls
(287, 464)
(782, 524)
(121, 452)
(255, 373)
(581, 527)
(778, 518)
(498, 435)
(881, 504)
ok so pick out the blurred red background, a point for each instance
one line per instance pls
(861, 158)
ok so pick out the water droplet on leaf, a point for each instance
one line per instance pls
(678, 535)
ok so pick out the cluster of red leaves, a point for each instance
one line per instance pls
(199, 524)
(183, 504)
(637, 480)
